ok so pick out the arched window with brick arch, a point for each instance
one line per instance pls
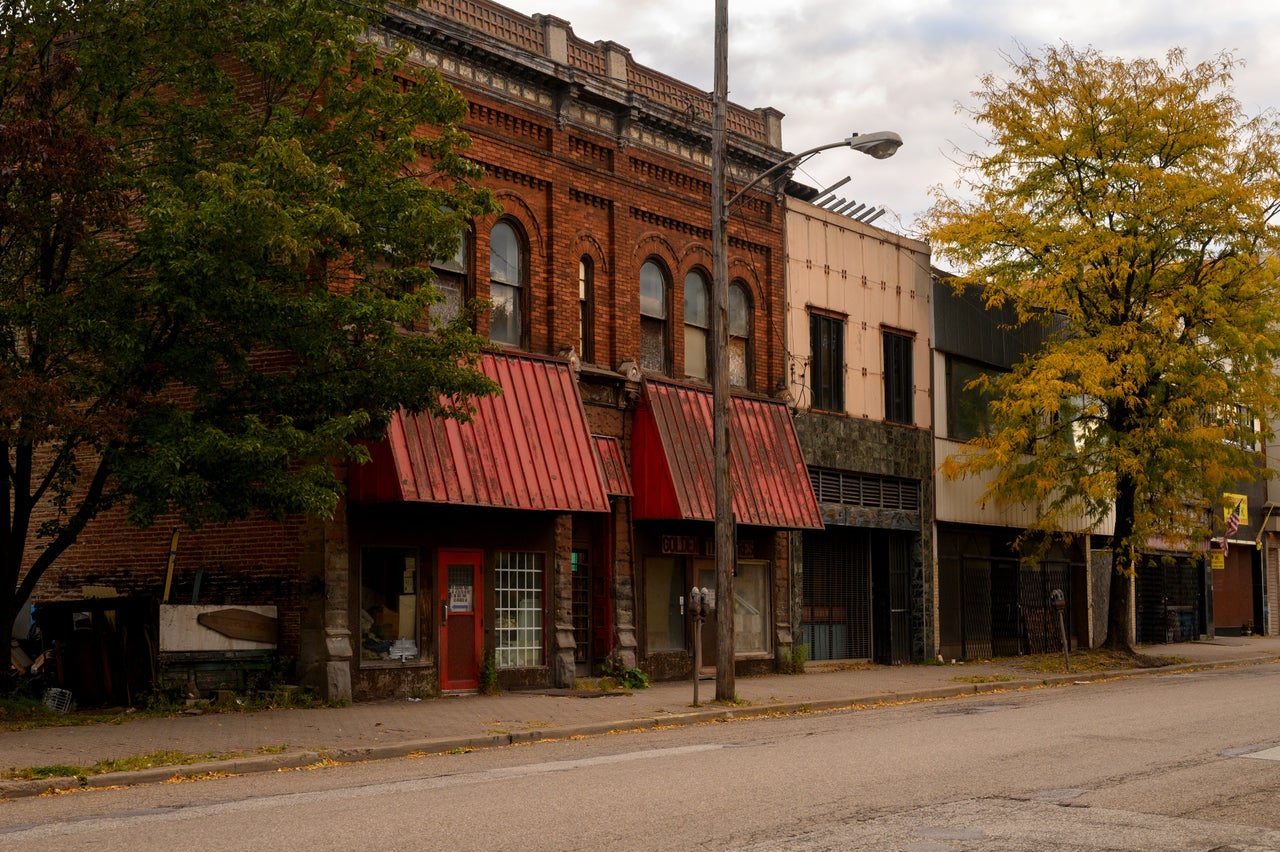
(507, 285)
(697, 319)
(740, 322)
(655, 288)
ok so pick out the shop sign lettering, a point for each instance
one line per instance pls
(680, 544)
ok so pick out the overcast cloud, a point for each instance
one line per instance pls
(834, 67)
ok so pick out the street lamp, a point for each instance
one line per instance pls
(880, 145)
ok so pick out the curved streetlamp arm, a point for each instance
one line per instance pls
(881, 145)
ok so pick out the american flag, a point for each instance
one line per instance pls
(1233, 524)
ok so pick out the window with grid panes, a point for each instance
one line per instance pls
(518, 622)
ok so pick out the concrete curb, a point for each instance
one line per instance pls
(294, 760)
(159, 774)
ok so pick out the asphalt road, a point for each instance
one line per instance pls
(1176, 762)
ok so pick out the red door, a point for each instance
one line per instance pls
(461, 618)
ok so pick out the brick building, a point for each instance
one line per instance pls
(568, 520)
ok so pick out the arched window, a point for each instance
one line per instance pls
(696, 319)
(451, 283)
(506, 285)
(586, 307)
(653, 317)
(739, 335)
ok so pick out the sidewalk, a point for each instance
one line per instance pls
(268, 740)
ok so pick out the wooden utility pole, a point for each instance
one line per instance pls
(724, 538)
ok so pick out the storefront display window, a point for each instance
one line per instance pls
(518, 585)
(751, 608)
(664, 583)
(389, 604)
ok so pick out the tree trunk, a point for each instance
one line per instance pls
(1123, 557)
(1120, 607)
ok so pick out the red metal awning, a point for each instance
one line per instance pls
(617, 482)
(526, 448)
(672, 460)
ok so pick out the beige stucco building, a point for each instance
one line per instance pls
(858, 320)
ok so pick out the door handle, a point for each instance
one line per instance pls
(444, 613)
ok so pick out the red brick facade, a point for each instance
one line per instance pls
(591, 156)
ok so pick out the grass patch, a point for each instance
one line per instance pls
(1093, 660)
(124, 764)
(984, 679)
(20, 713)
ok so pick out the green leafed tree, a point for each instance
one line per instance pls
(215, 224)
(1130, 206)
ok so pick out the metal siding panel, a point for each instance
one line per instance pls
(617, 482)
(687, 439)
(774, 488)
(514, 482)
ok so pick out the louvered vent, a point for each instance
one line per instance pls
(874, 492)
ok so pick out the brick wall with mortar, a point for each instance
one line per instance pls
(590, 155)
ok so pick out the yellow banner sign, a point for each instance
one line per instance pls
(1229, 504)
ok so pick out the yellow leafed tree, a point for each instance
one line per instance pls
(1130, 206)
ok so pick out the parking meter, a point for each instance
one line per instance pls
(700, 609)
(1058, 601)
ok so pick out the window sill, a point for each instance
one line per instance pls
(394, 664)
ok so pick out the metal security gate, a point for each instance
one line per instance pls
(836, 596)
(1006, 607)
(899, 645)
(1169, 601)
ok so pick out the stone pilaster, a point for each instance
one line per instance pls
(563, 644)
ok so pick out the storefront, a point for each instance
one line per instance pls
(477, 549)
(674, 520)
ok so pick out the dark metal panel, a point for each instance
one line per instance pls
(769, 478)
(528, 447)
(964, 326)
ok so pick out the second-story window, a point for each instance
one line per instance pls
(506, 286)
(826, 362)
(696, 319)
(968, 401)
(653, 317)
(898, 378)
(586, 310)
(451, 283)
(739, 336)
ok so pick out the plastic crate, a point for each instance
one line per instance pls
(57, 700)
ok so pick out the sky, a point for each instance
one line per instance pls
(836, 67)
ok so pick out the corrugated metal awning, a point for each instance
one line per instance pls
(617, 482)
(672, 460)
(526, 448)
